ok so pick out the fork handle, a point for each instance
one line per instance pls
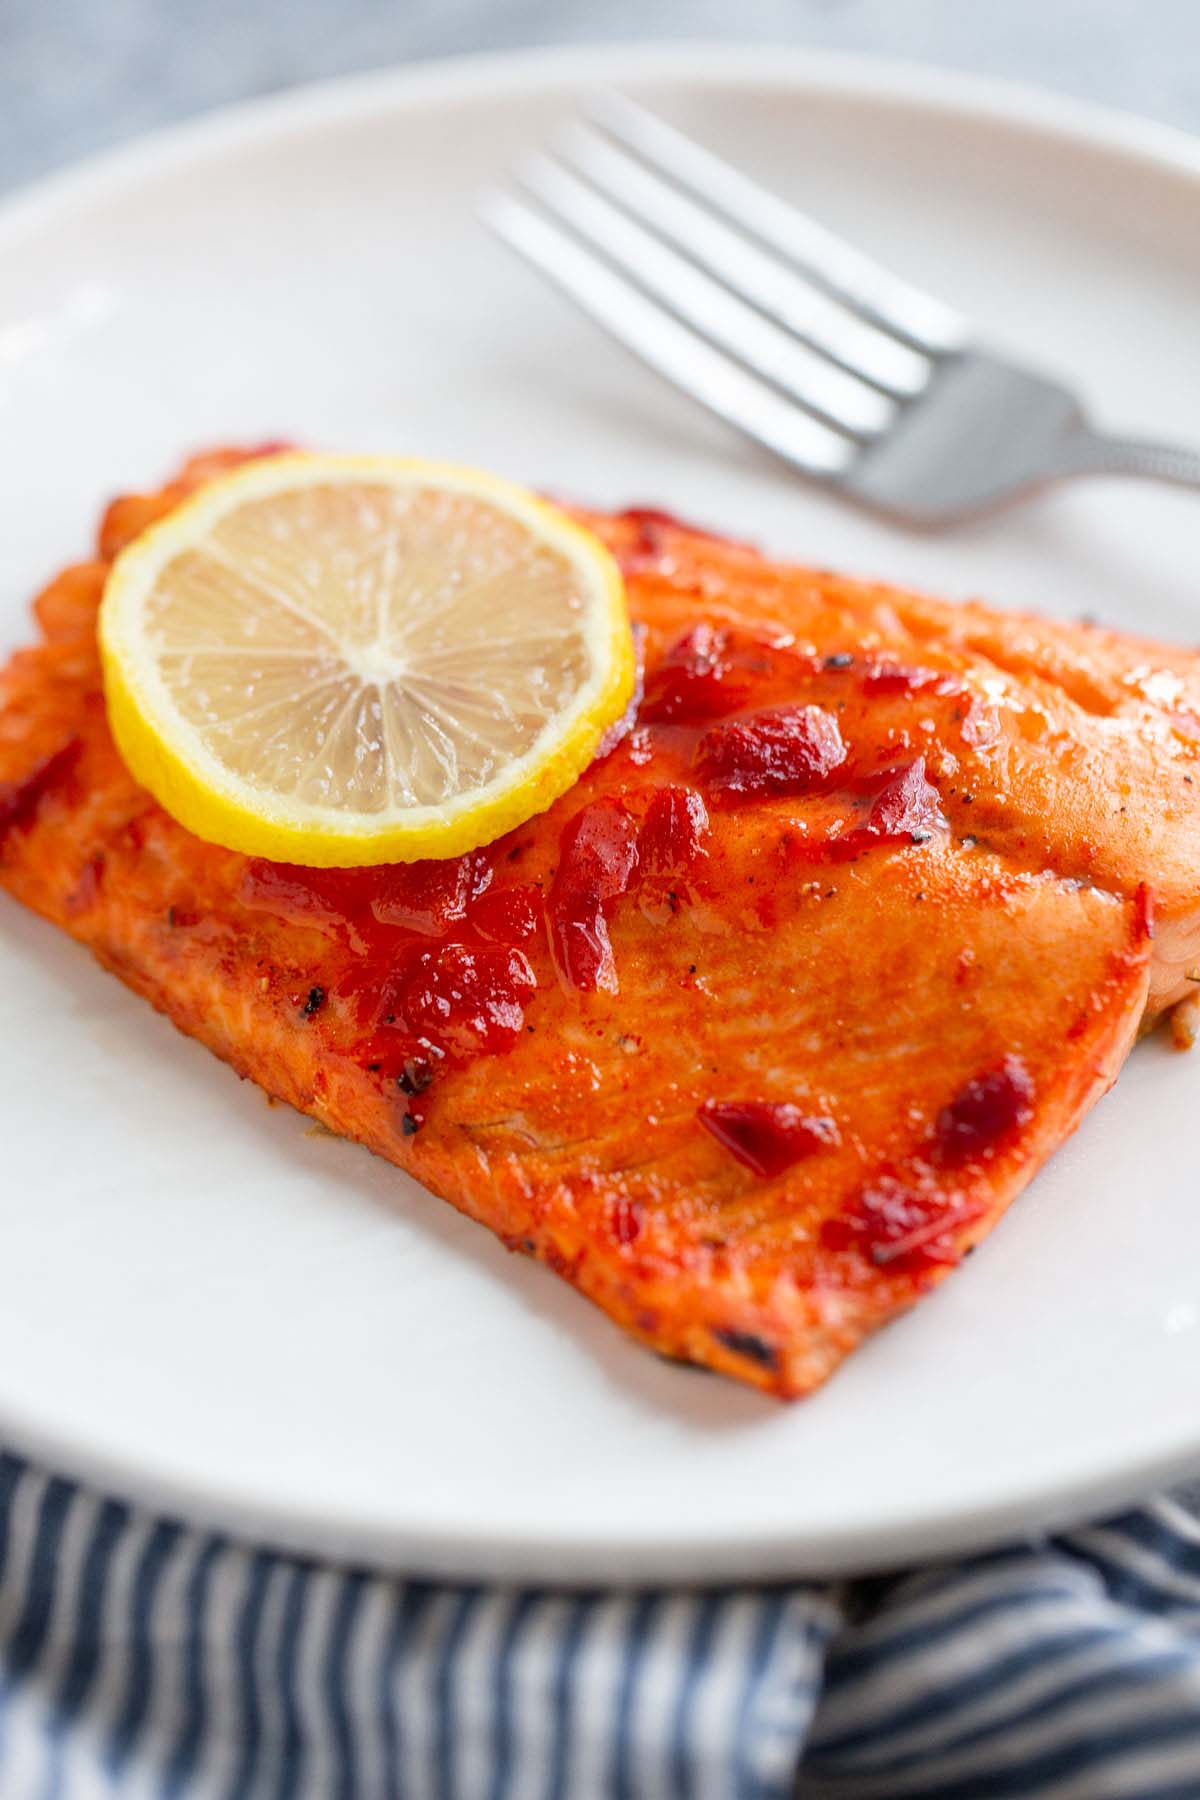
(1092, 453)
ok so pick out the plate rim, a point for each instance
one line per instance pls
(922, 86)
(519, 1553)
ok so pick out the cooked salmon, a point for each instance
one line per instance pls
(762, 1026)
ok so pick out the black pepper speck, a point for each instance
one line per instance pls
(751, 1346)
(414, 1078)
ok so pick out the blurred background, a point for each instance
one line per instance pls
(76, 75)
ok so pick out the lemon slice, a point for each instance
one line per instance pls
(339, 660)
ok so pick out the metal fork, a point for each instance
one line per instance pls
(851, 375)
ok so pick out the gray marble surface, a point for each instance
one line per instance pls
(79, 74)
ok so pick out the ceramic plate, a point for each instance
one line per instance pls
(206, 1306)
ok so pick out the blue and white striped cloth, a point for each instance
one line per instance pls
(140, 1657)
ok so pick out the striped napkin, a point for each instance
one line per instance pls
(138, 1656)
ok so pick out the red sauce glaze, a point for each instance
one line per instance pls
(508, 915)
(987, 1114)
(786, 750)
(428, 897)
(766, 1136)
(900, 1229)
(370, 905)
(673, 832)
(327, 900)
(597, 861)
(416, 1000)
(896, 678)
(471, 1000)
(695, 681)
(19, 799)
(903, 807)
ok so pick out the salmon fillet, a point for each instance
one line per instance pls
(760, 1028)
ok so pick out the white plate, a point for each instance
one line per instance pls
(208, 1308)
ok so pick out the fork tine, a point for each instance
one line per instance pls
(755, 274)
(668, 346)
(841, 270)
(816, 384)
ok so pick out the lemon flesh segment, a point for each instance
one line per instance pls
(349, 660)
